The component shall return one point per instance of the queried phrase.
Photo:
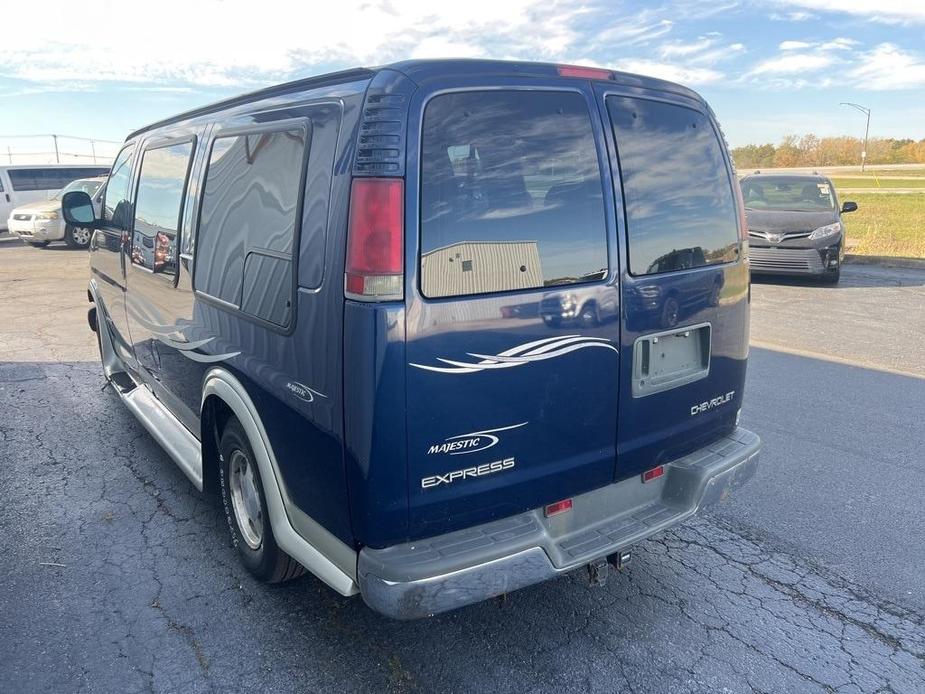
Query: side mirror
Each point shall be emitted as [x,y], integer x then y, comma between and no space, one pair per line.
[848,206]
[77,209]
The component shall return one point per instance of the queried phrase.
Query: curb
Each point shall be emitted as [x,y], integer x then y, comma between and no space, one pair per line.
[886,260]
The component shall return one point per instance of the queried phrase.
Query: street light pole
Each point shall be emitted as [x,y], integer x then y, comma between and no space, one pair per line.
[866,112]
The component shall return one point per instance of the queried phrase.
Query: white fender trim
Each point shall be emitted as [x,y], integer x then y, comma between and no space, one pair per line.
[229,389]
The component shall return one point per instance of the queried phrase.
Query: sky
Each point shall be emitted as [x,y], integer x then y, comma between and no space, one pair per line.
[768,69]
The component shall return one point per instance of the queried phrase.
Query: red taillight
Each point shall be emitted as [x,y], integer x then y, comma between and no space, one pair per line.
[653,474]
[587,73]
[375,239]
[558,507]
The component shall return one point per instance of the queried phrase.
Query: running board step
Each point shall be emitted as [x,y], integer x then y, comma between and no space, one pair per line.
[123,382]
[167,430]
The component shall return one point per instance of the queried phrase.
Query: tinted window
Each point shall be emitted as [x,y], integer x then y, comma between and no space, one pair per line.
[161,186]
[88,187]
[26,179]
[511,194]
[116,196]
[680,208]
[248,221]
[53,178]
[769,193]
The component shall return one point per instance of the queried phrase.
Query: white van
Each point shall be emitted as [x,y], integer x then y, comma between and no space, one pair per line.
[22,183]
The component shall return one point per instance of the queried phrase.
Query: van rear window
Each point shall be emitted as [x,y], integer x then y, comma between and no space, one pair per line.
[680,209]
[511,193]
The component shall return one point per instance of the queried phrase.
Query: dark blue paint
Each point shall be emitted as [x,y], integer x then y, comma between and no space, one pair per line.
[354,459]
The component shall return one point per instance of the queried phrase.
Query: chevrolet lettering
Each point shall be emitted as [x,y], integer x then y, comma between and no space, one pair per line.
[710,404]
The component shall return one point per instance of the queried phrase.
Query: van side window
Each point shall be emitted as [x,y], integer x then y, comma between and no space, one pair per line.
[22,180]
[116,194]
[248,221]
[680,209]
[511,193]
[158,204]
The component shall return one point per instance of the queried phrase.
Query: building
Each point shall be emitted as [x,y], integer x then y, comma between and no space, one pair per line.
[478,267]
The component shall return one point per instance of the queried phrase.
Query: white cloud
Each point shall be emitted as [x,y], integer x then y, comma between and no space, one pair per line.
[678,49]
[792,16]
[704,52]
[889,67]
[883,10]
[836,44]
[792,63]
[211,45]
[669,71]
[839,44]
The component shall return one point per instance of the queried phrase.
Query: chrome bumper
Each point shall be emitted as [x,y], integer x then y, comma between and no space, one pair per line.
[423,578]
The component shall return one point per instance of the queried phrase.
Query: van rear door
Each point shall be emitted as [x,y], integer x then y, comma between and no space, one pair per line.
[512,317]
[685,287]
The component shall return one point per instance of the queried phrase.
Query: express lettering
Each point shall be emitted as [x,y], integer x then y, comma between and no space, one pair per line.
[466,473]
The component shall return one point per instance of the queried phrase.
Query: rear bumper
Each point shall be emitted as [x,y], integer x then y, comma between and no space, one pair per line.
[423,578]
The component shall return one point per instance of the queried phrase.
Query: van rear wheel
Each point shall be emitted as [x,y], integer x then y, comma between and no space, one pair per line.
[246,509]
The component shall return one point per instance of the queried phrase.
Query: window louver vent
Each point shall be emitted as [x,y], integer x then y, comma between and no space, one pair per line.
[383,126]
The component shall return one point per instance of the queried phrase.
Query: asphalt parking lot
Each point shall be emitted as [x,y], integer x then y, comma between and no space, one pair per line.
[118,576]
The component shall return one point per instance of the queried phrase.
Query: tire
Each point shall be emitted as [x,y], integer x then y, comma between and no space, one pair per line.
[77,237]
[832,277]
[246,509]
[671,312]
[588,316]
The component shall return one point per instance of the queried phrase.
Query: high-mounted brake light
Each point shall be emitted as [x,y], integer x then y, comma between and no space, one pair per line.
[375,235]
[587,73]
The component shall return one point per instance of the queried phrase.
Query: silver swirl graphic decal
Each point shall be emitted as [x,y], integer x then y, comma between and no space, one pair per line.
[539,350]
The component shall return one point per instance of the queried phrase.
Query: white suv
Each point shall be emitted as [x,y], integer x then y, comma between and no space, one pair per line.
[40,223]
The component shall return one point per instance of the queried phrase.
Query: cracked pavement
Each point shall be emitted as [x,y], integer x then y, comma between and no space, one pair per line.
[119,576]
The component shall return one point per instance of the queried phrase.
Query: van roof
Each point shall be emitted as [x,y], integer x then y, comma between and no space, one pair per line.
[419,71]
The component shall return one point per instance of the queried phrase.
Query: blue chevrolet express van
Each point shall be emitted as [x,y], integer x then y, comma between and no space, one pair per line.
[348,304]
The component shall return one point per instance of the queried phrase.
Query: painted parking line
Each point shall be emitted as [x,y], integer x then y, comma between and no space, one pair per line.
[761,344]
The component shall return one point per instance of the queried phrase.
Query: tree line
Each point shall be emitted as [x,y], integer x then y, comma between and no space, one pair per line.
[809,150]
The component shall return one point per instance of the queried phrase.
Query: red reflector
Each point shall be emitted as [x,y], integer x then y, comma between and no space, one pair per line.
[558,507]
[653,474]
[375,237]
[588,73]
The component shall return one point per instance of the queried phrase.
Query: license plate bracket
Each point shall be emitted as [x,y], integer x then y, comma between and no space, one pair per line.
[671,358]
